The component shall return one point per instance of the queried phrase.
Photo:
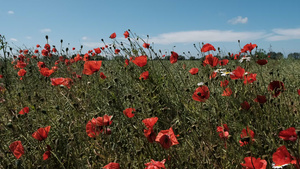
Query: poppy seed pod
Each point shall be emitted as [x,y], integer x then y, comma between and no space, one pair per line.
[46,37]
[61,41]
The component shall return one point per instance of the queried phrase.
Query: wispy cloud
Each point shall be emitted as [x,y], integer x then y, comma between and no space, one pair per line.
[46,30]
[13,39]
[206,36]
[11,12]
[84,38]
[28,37]
[237,20]
[284,34]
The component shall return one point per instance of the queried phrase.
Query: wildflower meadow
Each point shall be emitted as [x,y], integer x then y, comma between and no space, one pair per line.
[128,105]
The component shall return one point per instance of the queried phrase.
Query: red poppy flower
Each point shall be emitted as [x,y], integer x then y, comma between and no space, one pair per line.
[91,67]
[47,154]
[245,105]
[126,62]
[288,134]
[117,51]
[174,57]
[62,81]
[92,129]
[102,76]
[227,92]
[73,48]
[97,50]
[77,58]
[146,45]
[1,76]
[25,51]
[113,35]
[22,72]
[248,47]
[140,60]
[247,135]
[194,71]
[276,87]
[260,99]
[201,94]
[166,138]
[24,110]
[41,64]
[223,62]
[253,163]
[102,121]
[144,75]
[17,148]
[238,73]
[250,78]
[21,64]
[128,112]
[54,50]
[45,52]
[207,47]
[149,133]
[282,157]
[262,62]
[213,75]
[38,46]
[156,164]
[298,91]
[224,83]
[112,166]
[210,60]
[126,34]
[41,134]
[86,57]
[46,72]
[36,51]
[223,131]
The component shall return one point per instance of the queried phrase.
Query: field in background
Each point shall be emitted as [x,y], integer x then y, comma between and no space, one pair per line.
[166,94]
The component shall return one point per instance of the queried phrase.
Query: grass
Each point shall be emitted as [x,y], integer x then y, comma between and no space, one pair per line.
[166,94]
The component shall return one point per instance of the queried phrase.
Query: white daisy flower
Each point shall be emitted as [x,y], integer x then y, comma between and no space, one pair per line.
[200,84]
[245,58]
[220,70]
[279,166]
[226,73]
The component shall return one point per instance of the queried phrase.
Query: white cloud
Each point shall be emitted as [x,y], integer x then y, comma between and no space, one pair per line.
[28,37]
[11,12]
[237,20]
[206,36]
[13,39]
[46,30]
[284,34]
[84,38]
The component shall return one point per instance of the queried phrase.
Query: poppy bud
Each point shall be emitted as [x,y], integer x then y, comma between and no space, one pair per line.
[67,49]
[239,41]
[81,46]
[46,37]
[61,41]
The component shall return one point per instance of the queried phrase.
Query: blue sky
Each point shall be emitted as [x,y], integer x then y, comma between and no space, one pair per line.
[169,23]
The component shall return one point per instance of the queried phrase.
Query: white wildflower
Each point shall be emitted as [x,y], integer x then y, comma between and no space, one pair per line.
[245,58]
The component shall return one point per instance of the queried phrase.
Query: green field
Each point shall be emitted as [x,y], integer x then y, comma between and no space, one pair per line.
[167,94]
